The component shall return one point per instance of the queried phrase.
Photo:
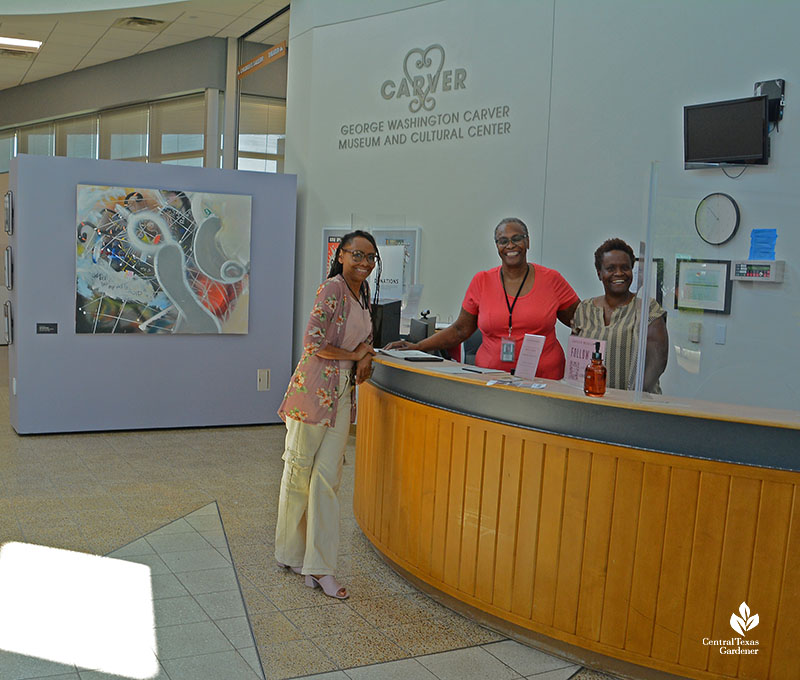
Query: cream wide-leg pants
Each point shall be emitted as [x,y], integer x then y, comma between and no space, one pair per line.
[307,531]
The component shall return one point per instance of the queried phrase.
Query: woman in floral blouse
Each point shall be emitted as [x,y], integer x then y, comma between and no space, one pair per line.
[318,409]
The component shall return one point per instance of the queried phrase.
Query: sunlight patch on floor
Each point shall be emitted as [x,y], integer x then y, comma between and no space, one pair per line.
[78,609]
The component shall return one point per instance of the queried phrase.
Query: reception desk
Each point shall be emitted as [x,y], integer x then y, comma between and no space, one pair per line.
[617,533]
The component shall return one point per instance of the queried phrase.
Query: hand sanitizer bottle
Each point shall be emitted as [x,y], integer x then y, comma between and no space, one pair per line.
[594,381]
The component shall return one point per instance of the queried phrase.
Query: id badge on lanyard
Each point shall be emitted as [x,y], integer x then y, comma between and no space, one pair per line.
[506,349]
[507,344]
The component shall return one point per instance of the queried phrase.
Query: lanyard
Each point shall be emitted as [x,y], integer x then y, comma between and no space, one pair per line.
[358,299]
[516,297]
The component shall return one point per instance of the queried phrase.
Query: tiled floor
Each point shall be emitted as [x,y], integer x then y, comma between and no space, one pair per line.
[96,492]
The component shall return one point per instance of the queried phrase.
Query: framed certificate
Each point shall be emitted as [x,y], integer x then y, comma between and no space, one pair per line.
[704,285]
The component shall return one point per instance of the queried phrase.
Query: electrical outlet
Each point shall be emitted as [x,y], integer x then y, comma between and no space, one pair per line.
[263,379]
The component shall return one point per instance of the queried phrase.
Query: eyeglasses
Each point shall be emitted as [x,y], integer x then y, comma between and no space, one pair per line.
[516,239]
[357,256]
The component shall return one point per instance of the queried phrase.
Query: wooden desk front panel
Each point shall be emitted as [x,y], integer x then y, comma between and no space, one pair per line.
[631,554]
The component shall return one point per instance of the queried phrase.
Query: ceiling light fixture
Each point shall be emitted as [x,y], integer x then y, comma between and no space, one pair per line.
[140,24]
[20,44]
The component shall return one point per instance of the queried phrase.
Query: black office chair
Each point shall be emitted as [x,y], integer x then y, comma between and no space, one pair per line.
[471,345]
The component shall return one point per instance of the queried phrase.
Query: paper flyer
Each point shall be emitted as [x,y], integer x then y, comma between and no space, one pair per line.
[579,355]
[529,356]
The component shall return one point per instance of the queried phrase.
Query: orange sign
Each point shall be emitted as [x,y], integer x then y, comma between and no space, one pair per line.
[333,244]
[267,57]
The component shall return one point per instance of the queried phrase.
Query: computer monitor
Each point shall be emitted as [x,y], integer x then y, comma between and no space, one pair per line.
[385,323]
[421,329]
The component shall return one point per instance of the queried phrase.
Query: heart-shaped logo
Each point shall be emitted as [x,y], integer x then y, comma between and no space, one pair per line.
[422,68]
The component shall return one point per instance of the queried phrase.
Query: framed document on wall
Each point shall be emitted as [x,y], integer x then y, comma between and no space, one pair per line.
[704,285]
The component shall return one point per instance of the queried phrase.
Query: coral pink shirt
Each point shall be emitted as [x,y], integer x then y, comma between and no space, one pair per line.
[534,312]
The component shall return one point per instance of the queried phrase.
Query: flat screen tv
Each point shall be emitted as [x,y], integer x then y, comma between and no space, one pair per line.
[732,132]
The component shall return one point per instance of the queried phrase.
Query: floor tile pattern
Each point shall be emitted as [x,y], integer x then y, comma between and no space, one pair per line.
[95,492]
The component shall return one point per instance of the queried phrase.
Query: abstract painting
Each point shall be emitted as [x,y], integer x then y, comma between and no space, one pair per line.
[161,261]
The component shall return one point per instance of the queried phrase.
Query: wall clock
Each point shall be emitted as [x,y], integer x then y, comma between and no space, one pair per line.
[717,218]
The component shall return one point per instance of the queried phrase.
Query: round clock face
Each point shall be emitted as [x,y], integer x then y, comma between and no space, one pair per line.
[717,218]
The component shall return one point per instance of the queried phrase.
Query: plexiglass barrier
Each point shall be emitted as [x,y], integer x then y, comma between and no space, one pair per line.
[731,303]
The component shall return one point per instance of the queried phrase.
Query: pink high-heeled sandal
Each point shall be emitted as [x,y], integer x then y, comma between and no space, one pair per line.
[330,586]
[296,570]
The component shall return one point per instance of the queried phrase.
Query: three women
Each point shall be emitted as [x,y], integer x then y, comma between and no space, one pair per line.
[506,302]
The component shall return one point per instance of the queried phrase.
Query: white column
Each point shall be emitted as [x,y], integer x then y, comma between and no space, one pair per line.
[211,154]
[231,135]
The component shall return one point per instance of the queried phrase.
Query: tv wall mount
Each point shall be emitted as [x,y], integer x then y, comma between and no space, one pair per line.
[774,89]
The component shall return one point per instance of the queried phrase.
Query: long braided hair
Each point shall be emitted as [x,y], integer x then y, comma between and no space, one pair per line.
[338,268]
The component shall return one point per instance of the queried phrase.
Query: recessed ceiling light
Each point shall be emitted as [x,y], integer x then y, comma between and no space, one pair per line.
[20,44]
[16,53]
[140,24]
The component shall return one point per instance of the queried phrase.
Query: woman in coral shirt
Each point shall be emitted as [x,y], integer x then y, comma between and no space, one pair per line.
[505,303]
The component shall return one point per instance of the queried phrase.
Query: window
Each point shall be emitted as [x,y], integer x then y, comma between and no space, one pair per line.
[177,130]
[6,149]
[37,139]
[123,134]
[262,129]
[257,164]
[195,161]
[170,131]
[77,137]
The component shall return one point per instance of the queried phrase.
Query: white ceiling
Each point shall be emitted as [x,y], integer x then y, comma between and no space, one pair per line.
[77,40]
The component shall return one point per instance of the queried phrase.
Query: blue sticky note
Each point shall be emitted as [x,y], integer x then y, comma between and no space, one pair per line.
[762,244]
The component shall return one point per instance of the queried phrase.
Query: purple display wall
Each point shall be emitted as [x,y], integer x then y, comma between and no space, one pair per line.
[65,382]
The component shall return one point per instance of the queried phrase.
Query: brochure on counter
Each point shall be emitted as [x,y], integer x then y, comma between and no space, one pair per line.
[529,355]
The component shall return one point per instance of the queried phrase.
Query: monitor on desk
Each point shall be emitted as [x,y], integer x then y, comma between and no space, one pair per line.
[385,322]
[421,329]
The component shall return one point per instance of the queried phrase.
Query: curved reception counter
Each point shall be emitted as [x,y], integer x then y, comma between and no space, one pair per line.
[654,539]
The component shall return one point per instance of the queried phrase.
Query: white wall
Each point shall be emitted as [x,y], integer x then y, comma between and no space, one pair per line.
[456,190]
[595,94]
[621,77]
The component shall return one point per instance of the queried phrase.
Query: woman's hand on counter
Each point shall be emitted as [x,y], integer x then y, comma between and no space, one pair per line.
[363,369]
[402,344]
[363,350]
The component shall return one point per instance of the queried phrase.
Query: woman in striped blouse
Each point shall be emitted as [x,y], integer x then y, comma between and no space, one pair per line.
[614,317]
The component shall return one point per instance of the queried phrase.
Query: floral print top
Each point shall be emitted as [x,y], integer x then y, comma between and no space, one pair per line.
[312,393]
